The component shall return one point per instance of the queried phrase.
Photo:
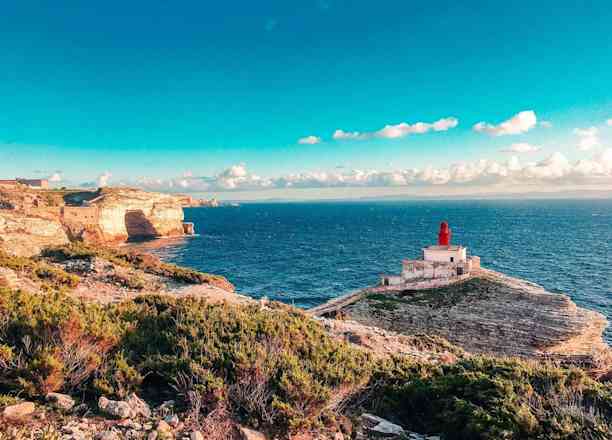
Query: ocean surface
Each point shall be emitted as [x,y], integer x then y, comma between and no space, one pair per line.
[307,253]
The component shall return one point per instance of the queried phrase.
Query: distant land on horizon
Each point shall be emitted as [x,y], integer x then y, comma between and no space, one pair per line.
[543,195]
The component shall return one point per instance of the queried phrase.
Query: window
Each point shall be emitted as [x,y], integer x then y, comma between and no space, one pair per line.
[452,259]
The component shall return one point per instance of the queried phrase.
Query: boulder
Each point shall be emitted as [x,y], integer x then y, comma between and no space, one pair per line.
[133,406]
[381,426]
[139,406]
[60,401]
[18,410]
[115,408]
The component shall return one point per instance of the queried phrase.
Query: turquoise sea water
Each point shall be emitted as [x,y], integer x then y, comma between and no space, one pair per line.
[307,253]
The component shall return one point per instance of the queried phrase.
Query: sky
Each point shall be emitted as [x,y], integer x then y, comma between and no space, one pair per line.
[309,98]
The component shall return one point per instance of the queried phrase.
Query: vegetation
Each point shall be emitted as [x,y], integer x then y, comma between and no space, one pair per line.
[51,277]
[487,398]
[276,369]
[145,262]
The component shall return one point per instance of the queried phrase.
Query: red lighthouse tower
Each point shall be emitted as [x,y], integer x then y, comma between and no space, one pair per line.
[444,236]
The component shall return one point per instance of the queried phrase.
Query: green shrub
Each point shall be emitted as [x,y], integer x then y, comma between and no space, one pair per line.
[117,377]
[51,342]
[281,355]
[141,261]
[486,398]
[50,276]
[277,369]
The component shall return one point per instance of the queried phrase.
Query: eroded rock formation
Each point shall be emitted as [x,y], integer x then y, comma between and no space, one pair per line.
[130,213]
[24,235]
[490,313]
[31,220]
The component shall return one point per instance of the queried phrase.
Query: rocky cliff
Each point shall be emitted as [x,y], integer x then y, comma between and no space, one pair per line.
[32,219]
[24,235]
[489,313]
[129,213]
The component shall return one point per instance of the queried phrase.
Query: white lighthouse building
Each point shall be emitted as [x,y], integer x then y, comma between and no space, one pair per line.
[441,261]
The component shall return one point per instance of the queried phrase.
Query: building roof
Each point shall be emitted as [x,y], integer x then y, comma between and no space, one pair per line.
[452,247]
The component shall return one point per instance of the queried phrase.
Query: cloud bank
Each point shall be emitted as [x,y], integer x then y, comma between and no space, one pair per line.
[555,170]
[588,138]
[521,148]
[520,123]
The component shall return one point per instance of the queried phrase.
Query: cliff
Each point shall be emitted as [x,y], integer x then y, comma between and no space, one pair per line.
[130,213]
[33,219]
[26,235]
[488,314]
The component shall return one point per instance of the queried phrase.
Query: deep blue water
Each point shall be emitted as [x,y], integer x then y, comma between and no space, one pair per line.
[307,253]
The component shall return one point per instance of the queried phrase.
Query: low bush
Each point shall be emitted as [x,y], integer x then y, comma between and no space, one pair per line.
[276,365]
[487,398]
[276,369]
[141,261]
[50,276]
[50,342]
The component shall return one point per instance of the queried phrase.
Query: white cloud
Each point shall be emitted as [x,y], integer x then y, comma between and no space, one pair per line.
[588,138]
[104,178]
[522,122]
[546,124]
[521,148]
[403,129]
[609,122]
[309,140]
[349,135]
[398,130]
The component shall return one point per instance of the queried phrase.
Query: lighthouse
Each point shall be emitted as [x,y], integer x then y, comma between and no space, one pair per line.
[444,236]
[441,263]
[444,251]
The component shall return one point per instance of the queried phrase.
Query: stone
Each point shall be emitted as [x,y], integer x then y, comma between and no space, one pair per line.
[172,420]
[18,410]
[139,406]
[196,435]
[250,434]
[115,408]
[60,401]
[381,426]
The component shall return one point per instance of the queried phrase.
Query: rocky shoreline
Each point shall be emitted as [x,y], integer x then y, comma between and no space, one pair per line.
[106,343]
[489,313]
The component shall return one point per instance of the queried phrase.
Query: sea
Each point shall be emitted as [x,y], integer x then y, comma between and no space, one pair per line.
[307,253]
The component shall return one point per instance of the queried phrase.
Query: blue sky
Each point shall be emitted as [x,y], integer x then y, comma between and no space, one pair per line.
[157,92]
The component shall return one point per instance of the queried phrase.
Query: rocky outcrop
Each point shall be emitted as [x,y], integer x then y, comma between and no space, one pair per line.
[490,313]
[25,236]
[129,213]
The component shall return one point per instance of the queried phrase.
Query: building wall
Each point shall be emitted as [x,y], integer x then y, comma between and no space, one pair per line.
[35,183]
[435,253]
[85,215]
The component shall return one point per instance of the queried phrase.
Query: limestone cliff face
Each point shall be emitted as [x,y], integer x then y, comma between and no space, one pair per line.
[130,213]
[26,236]
[491,313]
